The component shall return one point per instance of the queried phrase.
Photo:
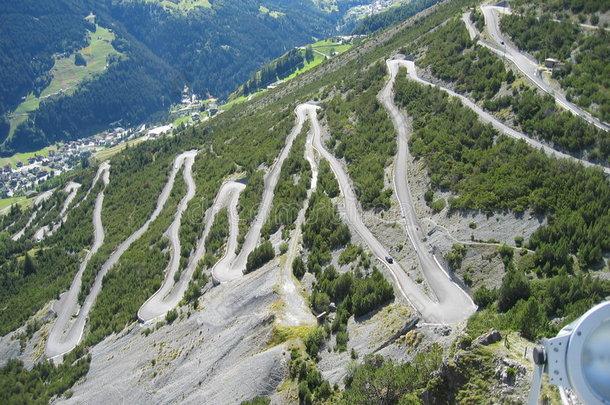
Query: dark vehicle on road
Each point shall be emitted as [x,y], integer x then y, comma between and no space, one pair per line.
[389,259]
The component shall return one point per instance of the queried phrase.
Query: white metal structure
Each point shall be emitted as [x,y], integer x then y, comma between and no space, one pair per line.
[578,358]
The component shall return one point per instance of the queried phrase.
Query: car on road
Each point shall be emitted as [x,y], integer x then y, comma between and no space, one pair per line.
[389,259]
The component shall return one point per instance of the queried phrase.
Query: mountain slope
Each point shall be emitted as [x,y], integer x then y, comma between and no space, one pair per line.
[524,232]
[212,49]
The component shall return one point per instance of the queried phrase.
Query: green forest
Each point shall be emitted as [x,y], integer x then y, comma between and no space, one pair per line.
[362,133]
[476,71]
[494,173]
[584,71]
[212,50]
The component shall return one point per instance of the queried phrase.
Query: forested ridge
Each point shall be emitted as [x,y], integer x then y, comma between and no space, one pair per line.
[30,33]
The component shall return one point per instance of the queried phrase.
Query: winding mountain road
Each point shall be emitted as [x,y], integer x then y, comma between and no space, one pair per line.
[37,202]
[226,271]
[296,312]
[452,304]
[223,270]
[158,304]
[527,65]
[61,338]
[487,118]
[164,300]
[440,283]
[47,230]
[56,348]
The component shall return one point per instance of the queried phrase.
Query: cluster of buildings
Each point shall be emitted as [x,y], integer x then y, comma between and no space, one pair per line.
[370,9]
[192,106]
[22,178]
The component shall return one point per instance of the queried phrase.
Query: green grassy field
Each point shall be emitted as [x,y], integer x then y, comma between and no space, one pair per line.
[182,5]
[67,76]
[325,47]
[181,120]
[7,202]
[23,157]
[317,59]
[107,153]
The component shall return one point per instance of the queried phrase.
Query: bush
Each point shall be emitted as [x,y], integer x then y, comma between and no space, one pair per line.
[171,316]
[438,205]
[350,254]
[298,267]
[259,256]
[484,297]
[79,60]
[519,241]
[314,340]
[257,401]
[455,256]
[514,287]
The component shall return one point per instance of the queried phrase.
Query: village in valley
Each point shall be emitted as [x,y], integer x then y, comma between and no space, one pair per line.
[22,178]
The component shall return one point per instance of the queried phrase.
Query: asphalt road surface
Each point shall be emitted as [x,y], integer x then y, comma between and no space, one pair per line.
[159,303]
[62,337]
[226,271]
[485,117]
[58,347]
[451,304]
[529,66]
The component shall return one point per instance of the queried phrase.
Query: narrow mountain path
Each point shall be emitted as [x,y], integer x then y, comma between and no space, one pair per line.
[75,334]
[452,306]
[157,306]
[228,271]
[526,64]
[61,337]
[487,118]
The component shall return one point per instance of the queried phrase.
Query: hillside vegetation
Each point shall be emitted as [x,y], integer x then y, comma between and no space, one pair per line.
[583,52]
[212,47]
[552,278]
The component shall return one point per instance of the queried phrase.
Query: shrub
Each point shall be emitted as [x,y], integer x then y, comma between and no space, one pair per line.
[314,341]
[171,316]
[298,267]
[484,297]
[259,256]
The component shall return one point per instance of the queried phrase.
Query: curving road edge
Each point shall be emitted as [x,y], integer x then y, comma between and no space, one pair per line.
[438,278]
[37,202]
[226,271]
[296,312]
[48,230]
[60,339]
[452,308]
[227,197]
[158,304]
[56,348]
[527,65]
[487,118]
